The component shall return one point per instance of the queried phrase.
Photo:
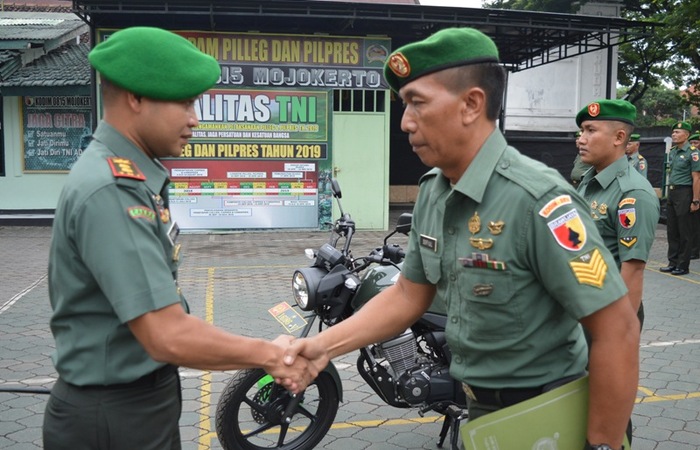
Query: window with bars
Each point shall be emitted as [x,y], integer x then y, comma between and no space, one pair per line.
[358,100]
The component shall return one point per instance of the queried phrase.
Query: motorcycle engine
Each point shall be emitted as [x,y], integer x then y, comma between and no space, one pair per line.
[418,378]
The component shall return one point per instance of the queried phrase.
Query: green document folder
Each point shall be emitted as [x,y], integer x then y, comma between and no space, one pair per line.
[555,420]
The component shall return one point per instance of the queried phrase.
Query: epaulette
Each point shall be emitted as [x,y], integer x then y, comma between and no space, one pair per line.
[640,157]
[433,172]
[125,168]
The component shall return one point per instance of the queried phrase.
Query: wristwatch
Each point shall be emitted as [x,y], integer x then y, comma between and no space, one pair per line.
[695,202]
[599,447]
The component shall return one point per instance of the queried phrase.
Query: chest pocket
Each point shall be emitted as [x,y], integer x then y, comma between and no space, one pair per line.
[431,265]
[488,305]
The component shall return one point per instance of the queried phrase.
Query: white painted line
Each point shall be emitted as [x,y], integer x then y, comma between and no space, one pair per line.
[16,298]
[671,343]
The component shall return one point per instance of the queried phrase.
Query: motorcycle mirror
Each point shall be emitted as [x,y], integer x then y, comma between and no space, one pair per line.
[403,223]
[335,188]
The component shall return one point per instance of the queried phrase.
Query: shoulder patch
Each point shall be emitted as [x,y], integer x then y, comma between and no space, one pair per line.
[590,268]
[696,156]
[142,212]
[641,158]
[627,217]
[627,201]
[568,230]
[553,204]
[125,168]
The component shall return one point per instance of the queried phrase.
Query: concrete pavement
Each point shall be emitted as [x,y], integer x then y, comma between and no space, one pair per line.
[232,280]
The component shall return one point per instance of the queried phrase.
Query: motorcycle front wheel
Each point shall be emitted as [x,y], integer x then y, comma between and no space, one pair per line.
[249,413]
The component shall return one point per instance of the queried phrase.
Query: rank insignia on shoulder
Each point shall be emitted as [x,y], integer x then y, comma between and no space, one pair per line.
[628,241]
[125,168]
[590,268]
[627,217]
[553,204]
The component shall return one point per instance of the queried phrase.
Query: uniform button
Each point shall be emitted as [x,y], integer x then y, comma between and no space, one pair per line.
[505,164]
[452,277]
[451,230]
[458,359]
[454,320]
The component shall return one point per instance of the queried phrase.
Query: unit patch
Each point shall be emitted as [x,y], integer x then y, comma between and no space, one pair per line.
[142,212]
[628,241]
[125,168]
[627,201]
[590,268]
[568,230]
[627,217]
[547,209]
[696,157]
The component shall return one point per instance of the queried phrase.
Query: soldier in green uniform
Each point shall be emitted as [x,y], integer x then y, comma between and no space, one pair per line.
[506,243]
[683,199]
[622,203]
[119,318]
[580,167]
[694,140]
[635,159]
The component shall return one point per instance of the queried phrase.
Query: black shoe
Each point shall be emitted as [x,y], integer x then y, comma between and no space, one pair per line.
[680,271]
[667,269]
[694,256]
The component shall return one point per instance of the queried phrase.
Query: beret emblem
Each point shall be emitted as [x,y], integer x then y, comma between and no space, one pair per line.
[679,125]
[399,65]
[594,109]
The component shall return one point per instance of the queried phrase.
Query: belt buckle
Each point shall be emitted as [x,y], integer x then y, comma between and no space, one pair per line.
[468,390]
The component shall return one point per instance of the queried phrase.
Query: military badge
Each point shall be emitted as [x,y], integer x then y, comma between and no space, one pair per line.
[482,290]
[399,65]
[627,217]
[695,157]
[474,224]
[568,230]
[628,241]
[482,260]
[603,208]
[594,109]
[594,204]
[141,212]
[481,244]
[125,168]
[549,208]
[496,227]
[627,201]
[642,166]
[590,268]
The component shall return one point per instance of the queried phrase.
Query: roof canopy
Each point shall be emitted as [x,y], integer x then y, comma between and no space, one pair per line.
[525,39]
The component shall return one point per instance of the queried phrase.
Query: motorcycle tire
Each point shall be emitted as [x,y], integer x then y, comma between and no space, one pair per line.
[249,413]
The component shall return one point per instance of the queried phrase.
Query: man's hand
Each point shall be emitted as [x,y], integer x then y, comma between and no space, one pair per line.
[307,349]
[294,373]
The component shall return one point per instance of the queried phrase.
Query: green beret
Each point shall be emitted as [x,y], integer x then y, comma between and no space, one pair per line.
[155,63]
[695,137]
[450,47]
[634,137]
[682,126]
[618,110]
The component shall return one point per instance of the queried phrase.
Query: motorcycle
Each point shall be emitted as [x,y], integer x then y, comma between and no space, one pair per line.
[408,371]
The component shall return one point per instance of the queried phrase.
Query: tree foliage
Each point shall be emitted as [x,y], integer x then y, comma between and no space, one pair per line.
[671,55]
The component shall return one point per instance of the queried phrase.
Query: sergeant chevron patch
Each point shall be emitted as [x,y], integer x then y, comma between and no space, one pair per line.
[590,268]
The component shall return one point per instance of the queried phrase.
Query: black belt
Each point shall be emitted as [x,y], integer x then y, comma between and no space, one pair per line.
[501,397]
[147,380]
[673,187]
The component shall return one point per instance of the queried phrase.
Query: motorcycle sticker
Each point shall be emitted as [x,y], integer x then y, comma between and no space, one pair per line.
[287,317]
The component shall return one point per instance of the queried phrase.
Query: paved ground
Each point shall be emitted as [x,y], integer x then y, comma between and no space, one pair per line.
[232,280]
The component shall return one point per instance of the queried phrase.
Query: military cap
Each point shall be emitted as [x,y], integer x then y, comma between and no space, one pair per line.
[681,125]
[695,137]
[634,137]
[619,110]
[155,63]
[450,47]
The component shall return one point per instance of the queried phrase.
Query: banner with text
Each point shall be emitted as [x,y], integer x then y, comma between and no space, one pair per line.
[56,130]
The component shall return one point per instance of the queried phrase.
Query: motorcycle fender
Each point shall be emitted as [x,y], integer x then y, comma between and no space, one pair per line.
[333,372]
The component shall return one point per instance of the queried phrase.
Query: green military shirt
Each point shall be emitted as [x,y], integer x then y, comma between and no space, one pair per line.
[625,209]
[112,259]
[639,163]
[579,169]
[682,161]
[515,256]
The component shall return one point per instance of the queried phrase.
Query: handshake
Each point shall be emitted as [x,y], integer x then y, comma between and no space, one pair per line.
[297,362]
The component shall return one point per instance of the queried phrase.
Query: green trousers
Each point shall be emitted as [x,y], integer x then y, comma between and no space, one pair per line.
[143,417]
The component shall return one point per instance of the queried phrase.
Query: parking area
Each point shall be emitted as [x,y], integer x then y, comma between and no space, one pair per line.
[232,280]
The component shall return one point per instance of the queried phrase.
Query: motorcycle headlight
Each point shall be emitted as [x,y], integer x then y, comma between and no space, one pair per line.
[304,286]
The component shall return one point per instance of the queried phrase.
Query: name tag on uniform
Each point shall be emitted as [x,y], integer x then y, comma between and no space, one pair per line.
[428,242]
[173,233]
